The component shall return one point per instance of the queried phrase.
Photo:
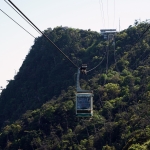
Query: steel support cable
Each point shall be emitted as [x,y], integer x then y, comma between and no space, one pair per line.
[17,23]
[102,12]
[114,53]
[114,41]
[107,14]
[142,35]
[140,58]
[22,16]
[139,38]
[106,53]
[107,59]
[44,34]
[98,64]
[114,13]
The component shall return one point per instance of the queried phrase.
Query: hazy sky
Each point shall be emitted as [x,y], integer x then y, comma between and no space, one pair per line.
[15,43]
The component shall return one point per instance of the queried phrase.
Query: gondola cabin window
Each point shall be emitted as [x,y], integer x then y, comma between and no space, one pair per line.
[84,104]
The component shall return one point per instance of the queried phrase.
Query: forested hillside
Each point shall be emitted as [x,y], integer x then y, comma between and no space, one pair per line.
[37,108]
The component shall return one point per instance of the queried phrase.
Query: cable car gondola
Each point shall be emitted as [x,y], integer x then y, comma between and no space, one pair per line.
[84,98]
[84,104]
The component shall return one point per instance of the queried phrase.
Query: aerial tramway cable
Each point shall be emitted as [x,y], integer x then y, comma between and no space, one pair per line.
[140,37]
[114,14]
[39,31]
[98,64]
[142,34]
[107,13]
[43,34]
[102,12]
[16,23]
[114,45]
[138,40]
[22,17]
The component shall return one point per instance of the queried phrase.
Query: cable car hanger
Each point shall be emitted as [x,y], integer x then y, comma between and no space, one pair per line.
[83,71]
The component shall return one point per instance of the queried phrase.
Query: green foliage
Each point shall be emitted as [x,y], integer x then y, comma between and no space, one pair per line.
[37,109]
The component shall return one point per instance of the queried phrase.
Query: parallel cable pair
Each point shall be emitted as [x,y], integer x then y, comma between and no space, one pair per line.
[40,32]
[16,23]
[22,17]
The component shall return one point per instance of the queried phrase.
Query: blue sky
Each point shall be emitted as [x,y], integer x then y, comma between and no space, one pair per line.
[15,43]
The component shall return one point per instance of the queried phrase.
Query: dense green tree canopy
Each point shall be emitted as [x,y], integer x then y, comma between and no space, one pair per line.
[37,108]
